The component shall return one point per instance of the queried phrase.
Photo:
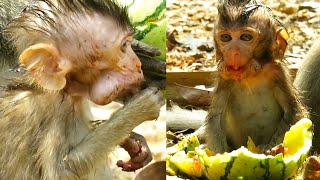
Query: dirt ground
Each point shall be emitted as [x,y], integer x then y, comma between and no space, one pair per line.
[192,23]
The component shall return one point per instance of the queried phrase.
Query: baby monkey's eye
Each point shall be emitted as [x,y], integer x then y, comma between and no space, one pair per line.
[246,37]
[125,45]
[225,38]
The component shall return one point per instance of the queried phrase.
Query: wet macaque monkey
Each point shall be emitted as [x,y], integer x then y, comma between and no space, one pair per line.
[254,96]
[71,52]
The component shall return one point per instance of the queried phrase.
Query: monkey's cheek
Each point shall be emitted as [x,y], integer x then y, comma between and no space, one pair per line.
[113,85]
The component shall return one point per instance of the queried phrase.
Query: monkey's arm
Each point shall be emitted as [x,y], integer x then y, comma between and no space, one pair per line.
[98,143]
[293,110]
[286,121]
[214,130]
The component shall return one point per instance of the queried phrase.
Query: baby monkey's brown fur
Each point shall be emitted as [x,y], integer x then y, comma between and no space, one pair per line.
[254,95]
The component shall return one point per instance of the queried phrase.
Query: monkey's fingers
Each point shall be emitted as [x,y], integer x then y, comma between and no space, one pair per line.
[131,146]
[150,64]
[128,166]
[137,147]
[139,152]
[139,46]
[135,163]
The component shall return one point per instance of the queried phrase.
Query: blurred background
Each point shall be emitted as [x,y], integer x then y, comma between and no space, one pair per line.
[190,25]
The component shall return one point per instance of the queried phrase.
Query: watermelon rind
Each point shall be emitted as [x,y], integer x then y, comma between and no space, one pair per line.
[243,164]
[187,144]
[154,34]
[143,11]
[149,21]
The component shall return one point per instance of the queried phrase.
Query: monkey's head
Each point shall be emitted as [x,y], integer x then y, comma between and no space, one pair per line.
[79,47]
[247,37]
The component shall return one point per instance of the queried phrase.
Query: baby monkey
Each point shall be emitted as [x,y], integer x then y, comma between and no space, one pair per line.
[254,96]
[70,52]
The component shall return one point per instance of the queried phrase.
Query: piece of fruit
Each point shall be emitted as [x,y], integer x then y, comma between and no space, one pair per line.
[182,157]
[243,164]
[149,20]
[187,163]
[170,167]
[187,144]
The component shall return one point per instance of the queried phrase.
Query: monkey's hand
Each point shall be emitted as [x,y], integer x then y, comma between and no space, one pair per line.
[146,49]
[154,70]
[145,105]
[139,152]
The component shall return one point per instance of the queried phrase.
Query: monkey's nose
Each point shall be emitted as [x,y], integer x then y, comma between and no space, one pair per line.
[235,61]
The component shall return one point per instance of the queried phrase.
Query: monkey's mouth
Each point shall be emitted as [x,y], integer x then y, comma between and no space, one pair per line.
[238,70]
[239,73]
[230,73]
[115,85]
[233,70]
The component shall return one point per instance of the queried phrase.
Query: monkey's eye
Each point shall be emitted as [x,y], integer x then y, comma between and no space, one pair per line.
[246,37]
[125,45]
[225,38]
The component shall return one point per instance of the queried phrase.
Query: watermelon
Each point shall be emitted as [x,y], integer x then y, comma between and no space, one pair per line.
[182,157]
[243,164]
[149,20]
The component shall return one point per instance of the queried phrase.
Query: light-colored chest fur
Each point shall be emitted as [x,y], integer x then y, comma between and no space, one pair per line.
[252,110]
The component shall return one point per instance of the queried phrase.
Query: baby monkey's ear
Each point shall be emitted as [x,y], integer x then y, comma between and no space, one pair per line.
[46,66]
[282,37]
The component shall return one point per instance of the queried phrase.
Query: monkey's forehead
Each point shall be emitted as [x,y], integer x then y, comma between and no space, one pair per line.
[94,28]
[260,24]
[63,8]
[91,33]
[239,30]
[47,23]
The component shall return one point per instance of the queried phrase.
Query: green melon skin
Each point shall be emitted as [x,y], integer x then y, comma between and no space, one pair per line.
[157,38]
[243,164]
[149,21]
[141,11]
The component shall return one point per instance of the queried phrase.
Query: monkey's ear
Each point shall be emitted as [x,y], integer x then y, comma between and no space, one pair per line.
[282,37]
[45,66]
